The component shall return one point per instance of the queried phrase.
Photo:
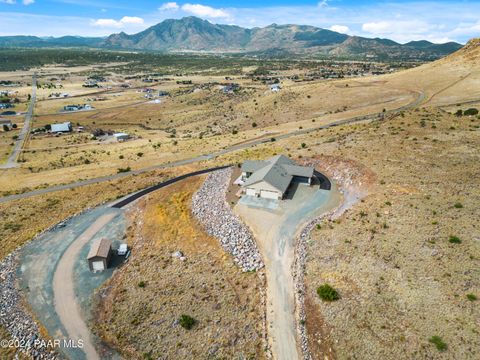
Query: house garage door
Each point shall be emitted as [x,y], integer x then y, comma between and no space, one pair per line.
[269,194]
[251,192]
[98,266]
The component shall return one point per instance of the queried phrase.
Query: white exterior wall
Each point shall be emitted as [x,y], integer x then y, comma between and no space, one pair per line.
[270,194]
[264,189]
[251,192]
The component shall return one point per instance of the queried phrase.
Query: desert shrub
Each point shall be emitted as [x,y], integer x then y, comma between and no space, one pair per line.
[124,170]
[327,293]
[471,297]
[438,342]
[187,322]
[454,239]
[459,112]
[141,284]
[304,145]
[471,111]
[140,154]
[254,124]
[458,205]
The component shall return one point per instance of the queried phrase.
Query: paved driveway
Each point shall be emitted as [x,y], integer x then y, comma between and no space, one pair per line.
[275,231]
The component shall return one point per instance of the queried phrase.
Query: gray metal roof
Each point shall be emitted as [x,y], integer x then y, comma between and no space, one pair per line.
[64,127]
[253,165]
[277,171]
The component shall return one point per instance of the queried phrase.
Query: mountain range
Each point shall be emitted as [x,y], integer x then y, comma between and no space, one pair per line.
[191,34]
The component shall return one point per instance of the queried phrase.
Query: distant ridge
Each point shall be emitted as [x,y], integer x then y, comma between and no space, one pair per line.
[191,34]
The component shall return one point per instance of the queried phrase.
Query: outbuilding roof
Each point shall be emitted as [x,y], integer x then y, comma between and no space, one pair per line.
[100,248]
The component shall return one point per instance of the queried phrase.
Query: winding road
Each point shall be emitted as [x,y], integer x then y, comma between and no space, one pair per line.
[420,98]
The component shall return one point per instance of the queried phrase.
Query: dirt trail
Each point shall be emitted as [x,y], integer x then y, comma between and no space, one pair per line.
[66,304]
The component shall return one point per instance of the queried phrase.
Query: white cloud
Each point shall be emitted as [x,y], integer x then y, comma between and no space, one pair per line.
[205,11]
[12,2]
[111,23]
[131,20]
[323,3]
[169,6]
[340,28]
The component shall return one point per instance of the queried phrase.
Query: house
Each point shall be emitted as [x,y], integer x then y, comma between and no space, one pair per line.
[60,128]
[271,178]
[99,255]
[5,123]
[78,107]
[71,108]
[121,136]
[275,87]
[230,88]
[90,84]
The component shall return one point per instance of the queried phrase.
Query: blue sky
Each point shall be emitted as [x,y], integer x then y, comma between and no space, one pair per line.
[400,20]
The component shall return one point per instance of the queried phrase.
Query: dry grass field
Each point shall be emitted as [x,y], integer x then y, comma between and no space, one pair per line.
[400,276]
[141,304]
[405,260]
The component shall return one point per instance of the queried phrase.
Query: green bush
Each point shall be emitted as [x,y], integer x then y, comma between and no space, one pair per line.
[124,170]
[471,297]
[454,239]
[187,322]
[458,205]
[141,284]
[471,111]
[327,293]
[438,342]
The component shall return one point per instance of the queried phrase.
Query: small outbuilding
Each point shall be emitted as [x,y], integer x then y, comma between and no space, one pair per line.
[99,255]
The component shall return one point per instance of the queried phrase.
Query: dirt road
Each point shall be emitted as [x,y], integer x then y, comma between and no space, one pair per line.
[17,148]
[213,155]
[275,231]
[65,299]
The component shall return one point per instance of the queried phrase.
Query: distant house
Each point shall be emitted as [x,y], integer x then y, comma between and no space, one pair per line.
[121,136]
[61,128]
[230,88]
[99,255]
[5,122]
[275,87]
[77,107]
[90,84]
[271,178]
[71,108]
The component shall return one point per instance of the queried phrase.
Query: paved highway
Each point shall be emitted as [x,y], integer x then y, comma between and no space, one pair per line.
[416,102]
[17,148]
